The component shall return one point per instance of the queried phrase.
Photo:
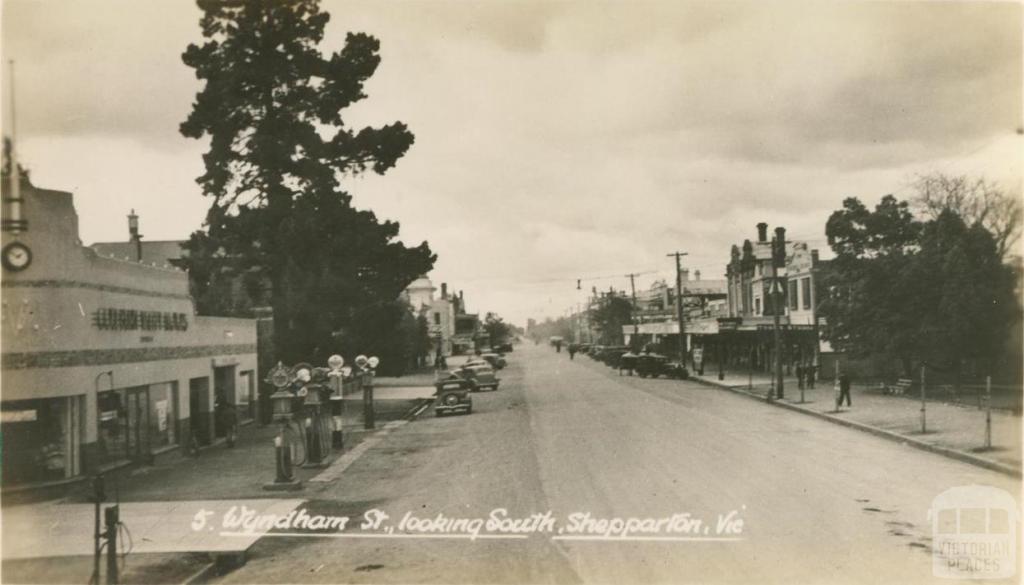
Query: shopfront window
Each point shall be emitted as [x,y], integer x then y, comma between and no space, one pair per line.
[112,421]
[124,424]
[41,439]
[163,414]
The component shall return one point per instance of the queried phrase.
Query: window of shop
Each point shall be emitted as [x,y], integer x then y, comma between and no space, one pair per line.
[805,288]
[41,439]
[163,414]
[792,295]
[123,424]
[112,422]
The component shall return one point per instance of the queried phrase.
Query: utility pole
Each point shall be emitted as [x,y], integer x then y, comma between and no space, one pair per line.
[679,306]
[778,260]
[632,287]
[632,312]
[14,222]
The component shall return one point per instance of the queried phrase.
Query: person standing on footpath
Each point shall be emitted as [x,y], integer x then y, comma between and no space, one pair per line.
[800,375]
[572,351]
[844,390]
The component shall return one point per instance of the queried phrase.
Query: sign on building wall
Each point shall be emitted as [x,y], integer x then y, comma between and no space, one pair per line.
[111,319]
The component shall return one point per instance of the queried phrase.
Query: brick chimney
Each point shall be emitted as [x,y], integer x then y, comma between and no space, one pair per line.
[762,232]
[444,291]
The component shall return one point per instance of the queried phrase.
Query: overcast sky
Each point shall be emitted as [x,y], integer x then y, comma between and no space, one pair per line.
[556,141]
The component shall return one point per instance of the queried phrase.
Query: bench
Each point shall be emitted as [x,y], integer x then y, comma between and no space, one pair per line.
[902,386]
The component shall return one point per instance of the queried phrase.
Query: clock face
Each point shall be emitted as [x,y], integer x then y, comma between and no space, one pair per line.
[16,256]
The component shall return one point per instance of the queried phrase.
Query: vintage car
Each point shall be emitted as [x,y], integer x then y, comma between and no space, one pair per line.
[480,374]
[452,395]
[497,361]
[627,363]
[610,355]
[654,365]
[505,347]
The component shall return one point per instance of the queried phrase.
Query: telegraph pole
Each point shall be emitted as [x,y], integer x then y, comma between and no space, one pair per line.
[778,258]
[632,287]
[679,306]
[632,312]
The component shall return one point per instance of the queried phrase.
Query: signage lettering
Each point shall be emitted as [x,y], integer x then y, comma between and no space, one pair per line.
[110,319]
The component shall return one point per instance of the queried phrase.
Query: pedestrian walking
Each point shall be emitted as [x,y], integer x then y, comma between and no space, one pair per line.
[572,351]
[810,376]
[844,391]
[800,376]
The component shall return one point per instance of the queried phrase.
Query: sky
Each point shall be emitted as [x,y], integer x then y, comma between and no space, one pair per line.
[555,141]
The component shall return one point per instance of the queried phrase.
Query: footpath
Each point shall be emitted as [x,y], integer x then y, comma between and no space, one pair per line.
[52,542]
[954,430]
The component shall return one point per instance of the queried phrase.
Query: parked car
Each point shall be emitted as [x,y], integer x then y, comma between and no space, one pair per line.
[610,354]
[627,362]
[654,365]
[480,374]
[452,395]
[503,347]
[497,361]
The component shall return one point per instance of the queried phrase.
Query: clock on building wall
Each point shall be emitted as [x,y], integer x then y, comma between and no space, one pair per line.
[16,256]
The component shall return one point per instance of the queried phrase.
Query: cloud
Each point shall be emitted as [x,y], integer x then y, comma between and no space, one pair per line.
[555,140]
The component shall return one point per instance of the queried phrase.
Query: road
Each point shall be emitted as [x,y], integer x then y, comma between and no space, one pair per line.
[820,503]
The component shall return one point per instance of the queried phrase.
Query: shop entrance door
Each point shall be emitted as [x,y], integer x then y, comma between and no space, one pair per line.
[138,424]
[224,392]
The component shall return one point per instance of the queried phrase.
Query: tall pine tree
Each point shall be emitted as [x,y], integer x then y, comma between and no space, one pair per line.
[271,108]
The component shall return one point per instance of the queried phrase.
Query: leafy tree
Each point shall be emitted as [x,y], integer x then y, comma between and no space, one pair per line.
[278,148]
[934,292]
[609,317]
[869,307]
[970,301]
[498,331]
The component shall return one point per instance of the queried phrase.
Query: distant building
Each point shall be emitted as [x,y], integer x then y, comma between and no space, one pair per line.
[656,323]
[439,313]
[748,338]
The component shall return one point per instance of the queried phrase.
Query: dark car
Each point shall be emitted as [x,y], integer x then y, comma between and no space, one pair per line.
[627,362]
[610,355]
[452,395]
[503,348]
[497,361]
[654,365]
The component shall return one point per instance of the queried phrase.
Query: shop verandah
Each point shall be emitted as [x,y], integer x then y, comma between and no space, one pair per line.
[711,349]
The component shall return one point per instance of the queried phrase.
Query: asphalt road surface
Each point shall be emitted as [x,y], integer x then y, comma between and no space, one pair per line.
[819,503]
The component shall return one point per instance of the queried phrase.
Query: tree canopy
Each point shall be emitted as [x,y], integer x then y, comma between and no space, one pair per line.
[280,221]
[611,313]
[498,331]
[934,292]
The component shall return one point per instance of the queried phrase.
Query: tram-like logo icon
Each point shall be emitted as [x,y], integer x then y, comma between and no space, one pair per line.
[974,533]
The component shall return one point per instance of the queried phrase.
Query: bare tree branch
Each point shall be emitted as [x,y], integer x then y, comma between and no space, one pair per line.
[977,201]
